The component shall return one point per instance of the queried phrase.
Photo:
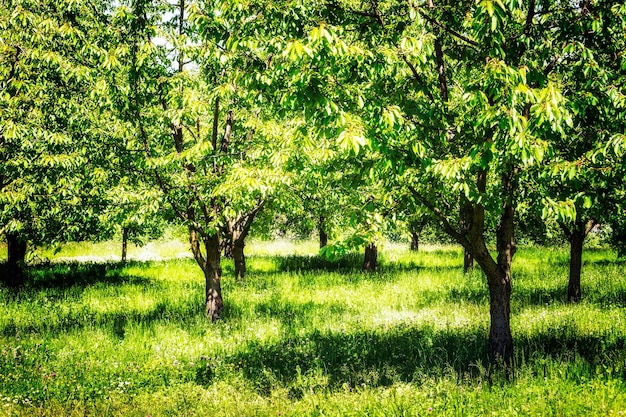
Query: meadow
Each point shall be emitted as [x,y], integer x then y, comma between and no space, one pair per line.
[303,336]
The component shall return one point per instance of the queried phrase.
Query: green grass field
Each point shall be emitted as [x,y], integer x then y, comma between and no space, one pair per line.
[306,337]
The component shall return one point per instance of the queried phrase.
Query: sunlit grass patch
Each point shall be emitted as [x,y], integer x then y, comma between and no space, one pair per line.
[306,336]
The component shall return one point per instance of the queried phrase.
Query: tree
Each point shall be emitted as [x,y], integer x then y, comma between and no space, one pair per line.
[49,54]
[583,184]
[201,141]
[469,110]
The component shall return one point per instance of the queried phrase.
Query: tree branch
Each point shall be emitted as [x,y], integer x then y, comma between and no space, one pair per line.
[462,240]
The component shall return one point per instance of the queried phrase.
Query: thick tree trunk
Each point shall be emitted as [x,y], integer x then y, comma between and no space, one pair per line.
[322,231]
[124,244]
[14,268]
[213,278]
[500,338]
[370,263]
[239,259]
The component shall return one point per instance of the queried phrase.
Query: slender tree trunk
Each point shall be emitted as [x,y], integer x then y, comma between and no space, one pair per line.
[213,277]
[226,243]
[239,259]
[576,236]
[322,231]
[498,272]
[576,241]
[14,269]
[124,244]
[370,263]
[466,214]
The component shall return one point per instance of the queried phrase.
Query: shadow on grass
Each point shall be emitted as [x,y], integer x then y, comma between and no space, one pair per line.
[77,274]
[372,358]
[403,353]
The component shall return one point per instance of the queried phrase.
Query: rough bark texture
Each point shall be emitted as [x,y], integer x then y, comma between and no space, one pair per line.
[370,263]
[212,269]
[14,268]
[498,272]
[213,277]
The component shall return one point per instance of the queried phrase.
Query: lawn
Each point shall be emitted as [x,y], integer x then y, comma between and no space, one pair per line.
[305,336]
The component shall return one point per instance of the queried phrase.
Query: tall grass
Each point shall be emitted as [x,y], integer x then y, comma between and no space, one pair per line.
[304,336]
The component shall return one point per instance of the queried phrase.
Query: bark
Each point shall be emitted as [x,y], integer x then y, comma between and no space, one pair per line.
[466,214]
[575,265]
[370,263]
[322,231]
[14,268]
[213,277]
[415,240]
[576,237]
[212,269]
[239,259]
[124,244]
[498,272]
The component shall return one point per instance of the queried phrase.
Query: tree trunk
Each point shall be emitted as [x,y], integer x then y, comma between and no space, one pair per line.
[14,269]
[124,244]
[500,338]
[213,278]
[226,243]
[468,261]
[415,241]
[466,215]
[323,234]
[370,263]
[575,265]
[498,272]
[239,259]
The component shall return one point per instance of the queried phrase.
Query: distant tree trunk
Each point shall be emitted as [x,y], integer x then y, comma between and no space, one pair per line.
[415,241]
[236,233]
[14,268]
[370,263]
[576,237]
[466,214]
[124,244]
[239,259]
[322,230]
[416,228]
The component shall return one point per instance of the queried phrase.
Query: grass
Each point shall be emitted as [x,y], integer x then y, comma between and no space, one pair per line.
[304,336]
